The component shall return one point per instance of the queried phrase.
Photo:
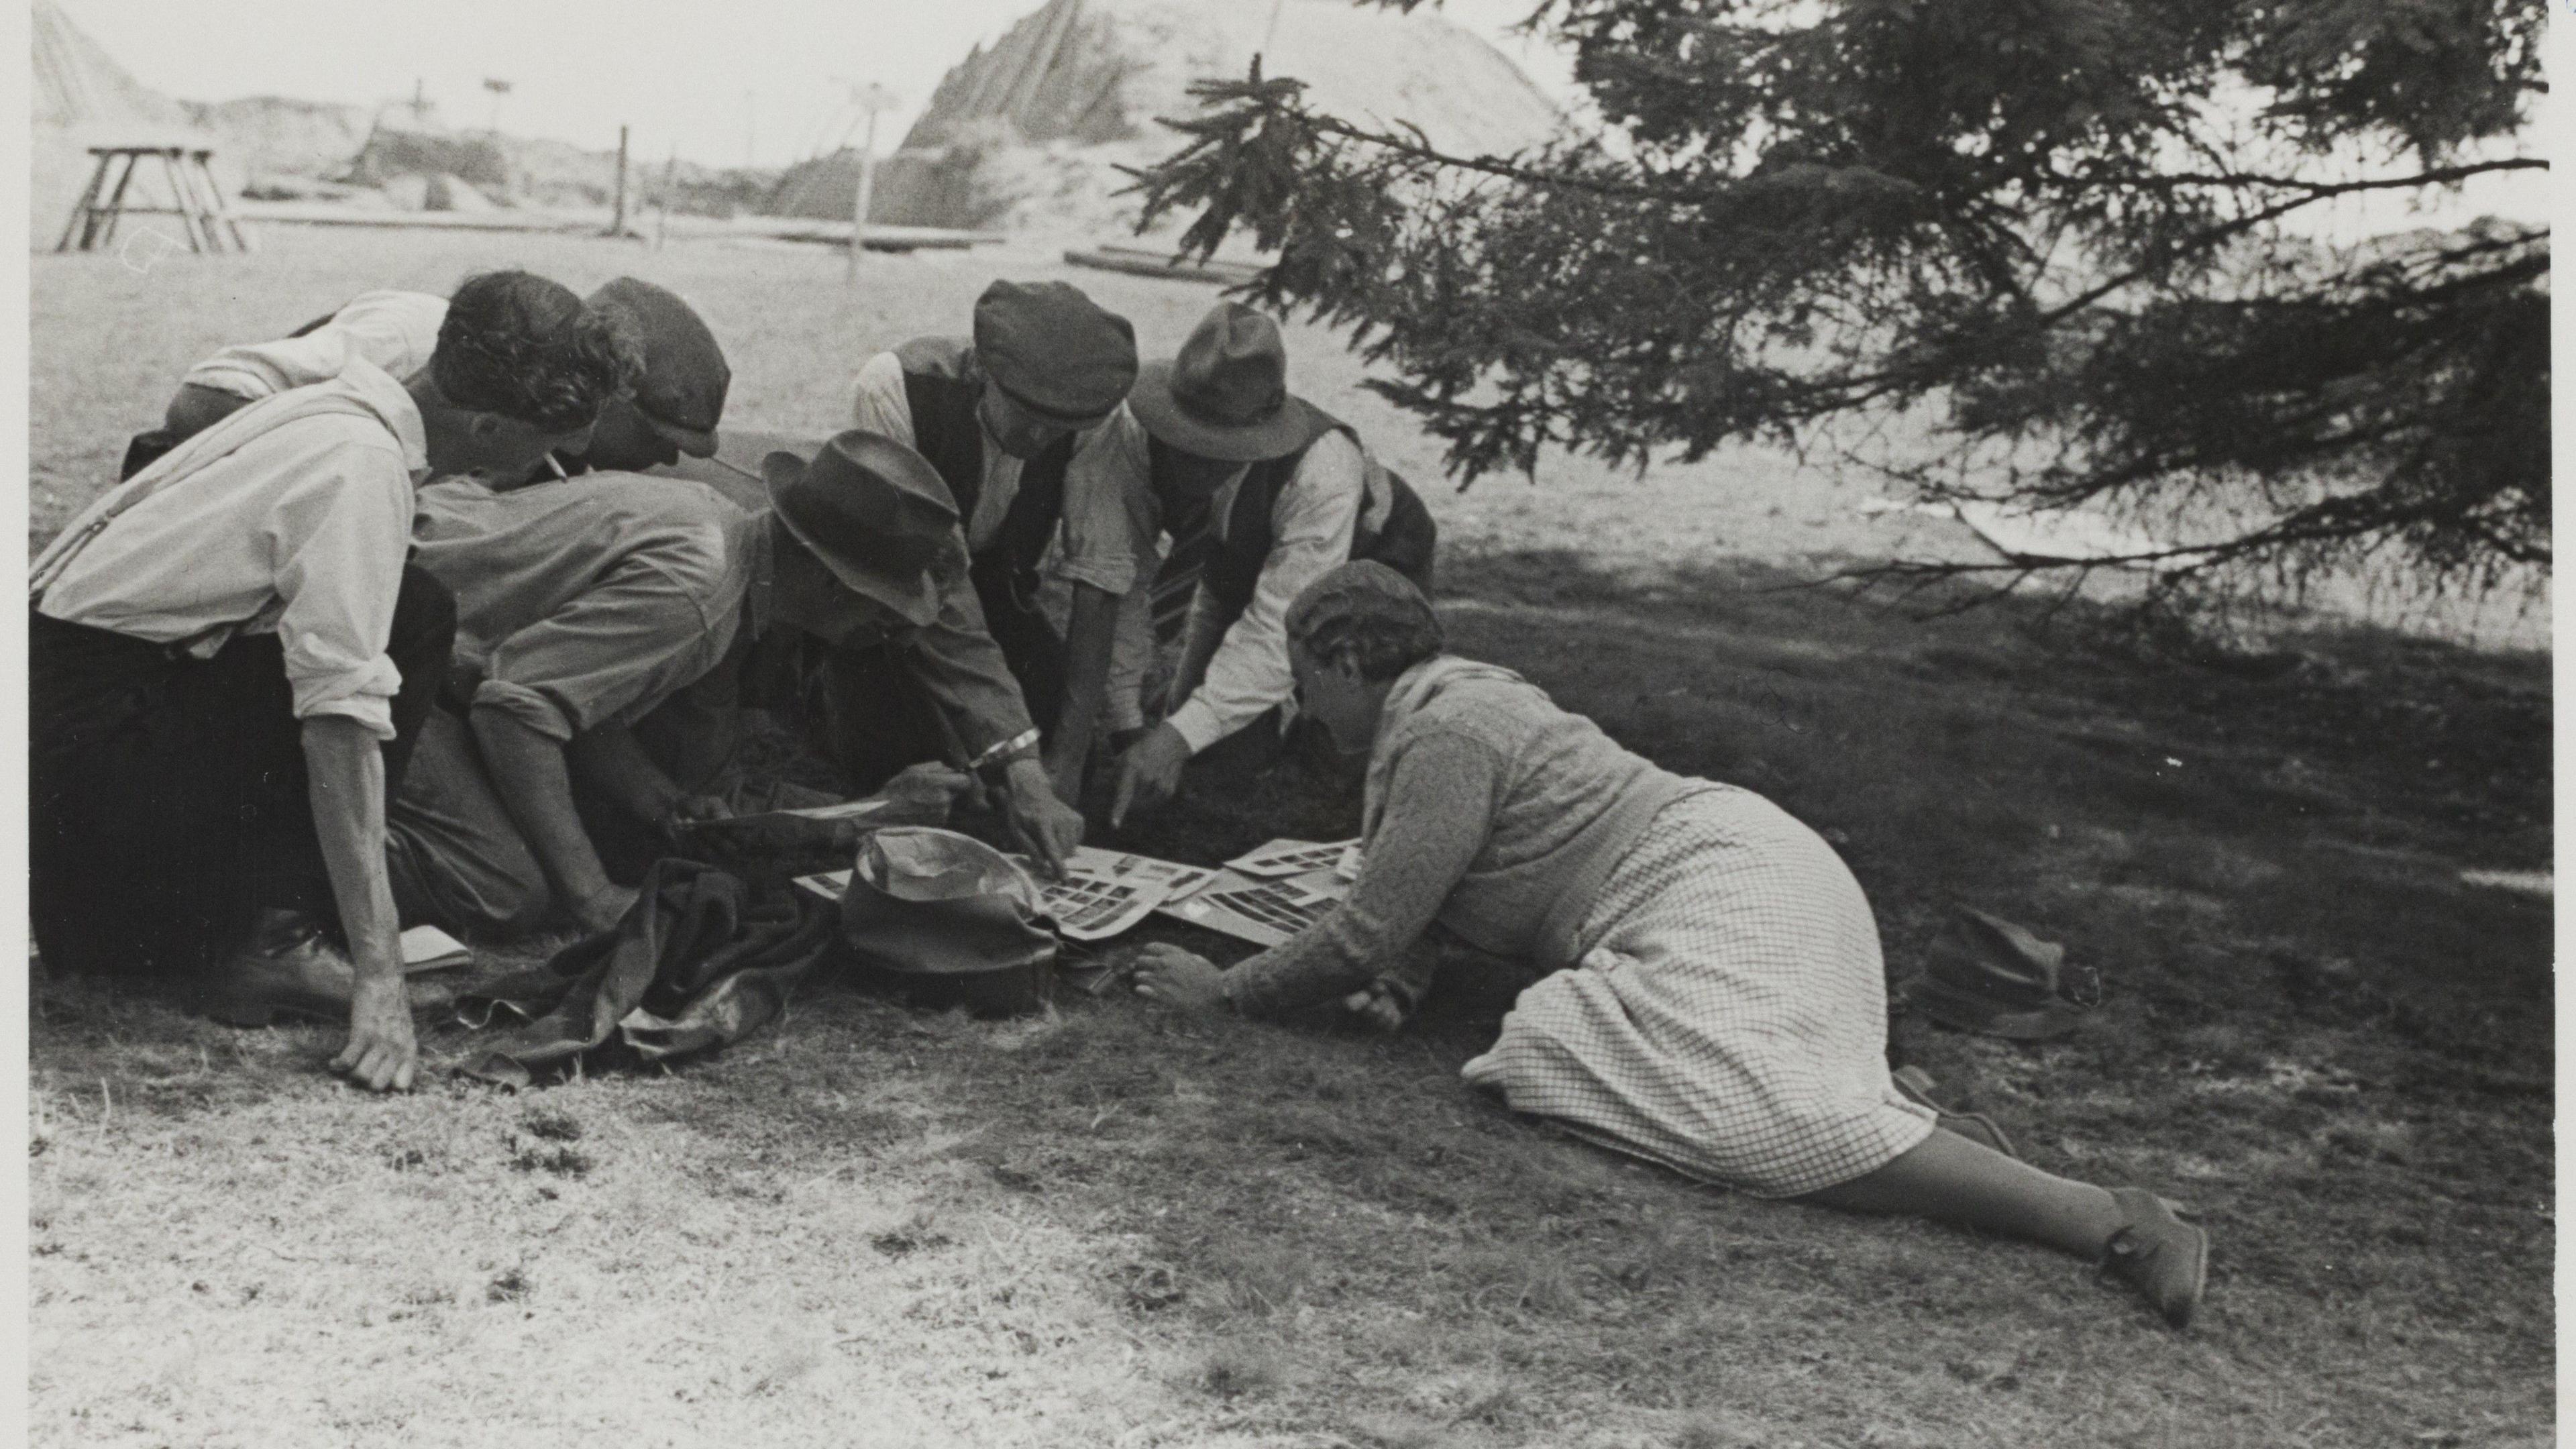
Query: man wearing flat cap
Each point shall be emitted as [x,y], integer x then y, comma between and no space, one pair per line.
[1260,493]
[673,409]
[591,595]
[1000,417]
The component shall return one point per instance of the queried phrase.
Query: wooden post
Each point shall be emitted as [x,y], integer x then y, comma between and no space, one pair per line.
[662,211]
[874,98]
[617,226]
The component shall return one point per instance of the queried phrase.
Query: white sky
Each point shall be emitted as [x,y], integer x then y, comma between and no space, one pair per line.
[701,76]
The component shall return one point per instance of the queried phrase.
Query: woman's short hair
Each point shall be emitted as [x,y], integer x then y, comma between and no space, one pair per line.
[527,348]
[1369,614]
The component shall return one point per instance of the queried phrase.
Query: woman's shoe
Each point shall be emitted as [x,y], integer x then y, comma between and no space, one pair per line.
[2159,1254]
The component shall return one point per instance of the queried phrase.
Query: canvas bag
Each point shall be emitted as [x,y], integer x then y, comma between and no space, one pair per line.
[943,919]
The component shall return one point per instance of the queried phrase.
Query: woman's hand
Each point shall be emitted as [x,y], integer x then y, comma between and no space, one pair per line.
[1180,979]
[1377,1006]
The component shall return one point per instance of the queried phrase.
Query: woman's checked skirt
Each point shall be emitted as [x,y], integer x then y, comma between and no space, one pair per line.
[1730,1022]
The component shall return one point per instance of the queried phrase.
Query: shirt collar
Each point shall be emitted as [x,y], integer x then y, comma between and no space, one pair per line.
[391,401]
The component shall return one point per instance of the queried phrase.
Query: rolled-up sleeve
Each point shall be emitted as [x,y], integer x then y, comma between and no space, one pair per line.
[1111,521]
[338,538]
[1312,527]
[878,401]
[1441,795]
[608,656]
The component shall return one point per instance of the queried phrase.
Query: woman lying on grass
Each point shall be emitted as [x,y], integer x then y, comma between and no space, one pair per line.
[1725,1012]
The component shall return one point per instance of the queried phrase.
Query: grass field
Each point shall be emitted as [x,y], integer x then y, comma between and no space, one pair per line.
[1102,1226]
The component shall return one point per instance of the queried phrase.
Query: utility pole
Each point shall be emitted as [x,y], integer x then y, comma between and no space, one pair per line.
[498,88]
[873,98]
[750,129]
[617,227]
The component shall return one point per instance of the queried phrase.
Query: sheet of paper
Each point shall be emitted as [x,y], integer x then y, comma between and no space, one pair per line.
[427,948]
[1290,857]
[845,810]
[1103,893]
[826,887]
[1264,912]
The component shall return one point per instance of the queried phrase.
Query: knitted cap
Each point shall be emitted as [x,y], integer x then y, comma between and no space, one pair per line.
[1364,597]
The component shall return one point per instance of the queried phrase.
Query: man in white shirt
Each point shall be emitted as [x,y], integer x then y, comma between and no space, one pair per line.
[1261,493]
[229,657]
[673,409]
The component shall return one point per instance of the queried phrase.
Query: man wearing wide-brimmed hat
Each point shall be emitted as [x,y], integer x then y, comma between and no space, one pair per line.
[860,577]
[1000,416]
[586,604]
[607,636]
[1261,493]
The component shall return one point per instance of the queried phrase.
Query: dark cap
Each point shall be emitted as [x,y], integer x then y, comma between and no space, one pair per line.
[682,390]
[1054,350]
[1225,395]
[1988,975]
[874,516]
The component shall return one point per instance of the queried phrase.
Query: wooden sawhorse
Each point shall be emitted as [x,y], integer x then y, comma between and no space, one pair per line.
[197,201]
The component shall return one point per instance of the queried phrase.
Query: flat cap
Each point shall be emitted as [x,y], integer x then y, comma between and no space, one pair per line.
[1054,350]
[682,390]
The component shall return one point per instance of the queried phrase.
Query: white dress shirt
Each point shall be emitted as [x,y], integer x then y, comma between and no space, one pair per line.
[879,404]
[397,331]
[292,517]
[1113,525]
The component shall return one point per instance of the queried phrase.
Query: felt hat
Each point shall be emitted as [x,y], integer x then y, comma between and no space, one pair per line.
[1225,394]
[682,390]
[866,514]
[1988,975]
[1053,350]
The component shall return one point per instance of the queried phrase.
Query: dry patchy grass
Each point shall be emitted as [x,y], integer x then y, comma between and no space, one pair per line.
[1104,1226]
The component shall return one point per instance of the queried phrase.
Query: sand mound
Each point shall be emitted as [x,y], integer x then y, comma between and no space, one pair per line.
[1029,133]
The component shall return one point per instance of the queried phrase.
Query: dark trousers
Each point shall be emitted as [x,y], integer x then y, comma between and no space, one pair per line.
[168,798]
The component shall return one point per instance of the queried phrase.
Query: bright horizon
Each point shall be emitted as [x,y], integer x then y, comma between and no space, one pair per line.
[771,81]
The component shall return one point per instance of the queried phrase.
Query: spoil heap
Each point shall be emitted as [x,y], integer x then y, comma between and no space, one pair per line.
[1029,134]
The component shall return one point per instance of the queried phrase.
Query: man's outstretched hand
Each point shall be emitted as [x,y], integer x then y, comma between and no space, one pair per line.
[1047,829]
[382,1054]
[1149,772]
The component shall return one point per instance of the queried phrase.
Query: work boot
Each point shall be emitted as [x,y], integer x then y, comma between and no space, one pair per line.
[290,968]
[2159,1254]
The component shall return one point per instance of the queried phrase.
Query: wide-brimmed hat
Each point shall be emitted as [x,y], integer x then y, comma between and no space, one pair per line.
[1053,350]
[682,390]
[873,515]
[1225,394]
[1986,974]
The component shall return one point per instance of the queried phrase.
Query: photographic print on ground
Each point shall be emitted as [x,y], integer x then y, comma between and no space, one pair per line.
[1108,1224]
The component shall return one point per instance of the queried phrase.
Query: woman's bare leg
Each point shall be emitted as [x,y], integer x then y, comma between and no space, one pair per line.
[1950,1179]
